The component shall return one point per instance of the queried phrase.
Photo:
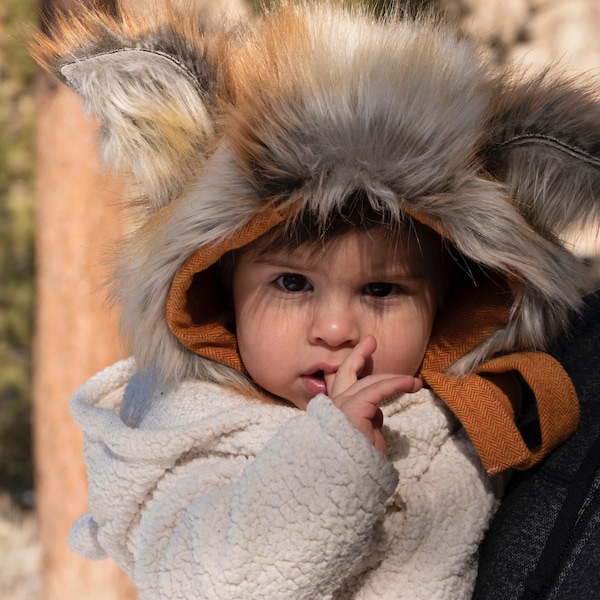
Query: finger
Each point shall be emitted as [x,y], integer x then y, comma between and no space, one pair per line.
[368,393]
[378,439]
[361,402]
[397,383]
[377,420]
[348,372]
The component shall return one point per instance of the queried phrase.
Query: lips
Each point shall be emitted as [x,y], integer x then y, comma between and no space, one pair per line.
[314,384]
[314,380]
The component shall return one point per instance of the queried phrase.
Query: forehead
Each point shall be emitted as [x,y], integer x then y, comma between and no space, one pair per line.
[375,247]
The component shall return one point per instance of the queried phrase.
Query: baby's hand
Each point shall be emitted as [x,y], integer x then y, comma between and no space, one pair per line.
[359,399]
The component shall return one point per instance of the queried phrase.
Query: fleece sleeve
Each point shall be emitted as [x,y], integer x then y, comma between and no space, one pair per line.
[289,524]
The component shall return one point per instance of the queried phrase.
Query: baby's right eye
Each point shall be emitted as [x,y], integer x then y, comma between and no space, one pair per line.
[293,282]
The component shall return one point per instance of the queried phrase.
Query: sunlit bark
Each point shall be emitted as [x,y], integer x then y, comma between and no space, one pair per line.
[76,220]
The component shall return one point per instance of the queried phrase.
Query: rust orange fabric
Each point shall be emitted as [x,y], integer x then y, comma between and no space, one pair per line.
[212,335]
[480,400]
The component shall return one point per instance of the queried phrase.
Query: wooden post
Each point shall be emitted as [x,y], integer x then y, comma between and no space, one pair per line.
[76,221]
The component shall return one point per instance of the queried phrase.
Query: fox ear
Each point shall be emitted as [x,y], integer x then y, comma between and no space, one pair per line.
[545,145]
[148,84]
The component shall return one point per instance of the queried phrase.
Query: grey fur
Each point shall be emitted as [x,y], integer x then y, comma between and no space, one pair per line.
[410,115]
[143,84]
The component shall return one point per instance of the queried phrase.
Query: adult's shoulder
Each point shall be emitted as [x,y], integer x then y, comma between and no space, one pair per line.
[545,539]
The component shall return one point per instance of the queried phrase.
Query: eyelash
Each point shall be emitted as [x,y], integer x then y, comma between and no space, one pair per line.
[280,282]
[391,289]
[302,284]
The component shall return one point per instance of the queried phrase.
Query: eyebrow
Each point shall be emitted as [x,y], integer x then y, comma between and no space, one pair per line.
[413,275]
[278,260]
[285,263]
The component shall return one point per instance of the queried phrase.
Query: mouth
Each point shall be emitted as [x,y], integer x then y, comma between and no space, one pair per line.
[314,382]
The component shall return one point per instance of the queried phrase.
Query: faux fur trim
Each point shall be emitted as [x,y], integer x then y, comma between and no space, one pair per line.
[309,104]
[142,80]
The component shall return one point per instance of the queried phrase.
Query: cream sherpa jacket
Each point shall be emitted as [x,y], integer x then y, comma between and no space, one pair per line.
[214,495]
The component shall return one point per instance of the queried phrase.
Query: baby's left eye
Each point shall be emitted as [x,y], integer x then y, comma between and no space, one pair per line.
[381,289]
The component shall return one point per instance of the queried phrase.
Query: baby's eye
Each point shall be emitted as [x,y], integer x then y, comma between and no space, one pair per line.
[293,282]
[380,289]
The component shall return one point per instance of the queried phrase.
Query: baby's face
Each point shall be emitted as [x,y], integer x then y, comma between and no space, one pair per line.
[299,314]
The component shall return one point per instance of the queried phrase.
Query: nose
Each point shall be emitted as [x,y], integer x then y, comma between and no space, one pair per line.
[334,325]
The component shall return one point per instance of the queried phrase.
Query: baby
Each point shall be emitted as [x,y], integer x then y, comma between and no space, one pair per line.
[348,314]
[214,491]
[345,260]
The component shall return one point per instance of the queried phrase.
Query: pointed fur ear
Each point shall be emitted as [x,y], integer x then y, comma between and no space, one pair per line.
[544,144]
[147,83]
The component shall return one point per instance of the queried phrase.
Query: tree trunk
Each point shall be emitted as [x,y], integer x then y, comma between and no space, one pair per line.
[76,220]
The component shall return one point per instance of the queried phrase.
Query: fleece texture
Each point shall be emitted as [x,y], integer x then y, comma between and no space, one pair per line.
[215,495]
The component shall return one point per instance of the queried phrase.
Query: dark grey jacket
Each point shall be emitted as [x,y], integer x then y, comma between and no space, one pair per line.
[544,543]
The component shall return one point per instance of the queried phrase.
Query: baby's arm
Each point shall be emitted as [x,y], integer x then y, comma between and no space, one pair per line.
[216,497]
[359,399]
[290,525]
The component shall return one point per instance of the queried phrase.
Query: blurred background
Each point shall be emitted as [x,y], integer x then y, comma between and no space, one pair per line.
[58,216]
[18,542]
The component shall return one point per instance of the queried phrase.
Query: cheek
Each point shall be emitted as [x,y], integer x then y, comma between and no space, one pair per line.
[402,345]
[262,338]
[402,354]
[269,353]
[251,330]
[256,353]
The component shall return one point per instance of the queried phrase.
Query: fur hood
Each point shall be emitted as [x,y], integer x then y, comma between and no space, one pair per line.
[221,126]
